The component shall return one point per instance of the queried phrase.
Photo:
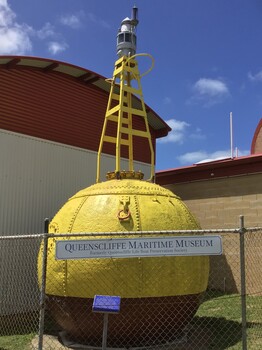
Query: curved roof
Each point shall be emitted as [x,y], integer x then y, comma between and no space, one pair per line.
[256,146]
[81,74]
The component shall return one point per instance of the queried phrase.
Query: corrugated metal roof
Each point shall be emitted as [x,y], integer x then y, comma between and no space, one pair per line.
[93,78]
[58,107]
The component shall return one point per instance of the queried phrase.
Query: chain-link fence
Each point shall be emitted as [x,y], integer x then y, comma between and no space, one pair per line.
[188,301]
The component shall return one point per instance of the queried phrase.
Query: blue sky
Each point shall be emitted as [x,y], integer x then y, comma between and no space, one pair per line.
[208,61]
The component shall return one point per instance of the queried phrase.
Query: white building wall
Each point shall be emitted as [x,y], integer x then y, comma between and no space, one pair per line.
[38,176]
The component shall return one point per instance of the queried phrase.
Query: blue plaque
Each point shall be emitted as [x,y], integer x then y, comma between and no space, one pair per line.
[106,304]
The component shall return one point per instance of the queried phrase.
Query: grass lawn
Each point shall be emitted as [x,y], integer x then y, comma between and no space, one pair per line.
[18,342]
[217,325]
[220,316]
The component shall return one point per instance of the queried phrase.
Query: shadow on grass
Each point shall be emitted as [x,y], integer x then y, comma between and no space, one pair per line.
[214,333]
[203,333]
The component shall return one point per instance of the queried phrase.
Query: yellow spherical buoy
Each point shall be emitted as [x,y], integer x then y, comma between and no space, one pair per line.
[159,294]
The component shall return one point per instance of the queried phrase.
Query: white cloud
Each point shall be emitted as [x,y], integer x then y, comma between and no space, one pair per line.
[204,156]
[255,77]
[47,31]
[177,134]
[210,87]
[56,44]
[167,100]
[192,157]
[209,91]
[72,20]
[6,14]
[14,37]
[14,41]
[55,47]
[197,135]
[93,18]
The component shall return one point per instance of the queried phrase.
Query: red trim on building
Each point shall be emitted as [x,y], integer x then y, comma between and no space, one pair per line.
[258,130]
[49,104]
[223,168]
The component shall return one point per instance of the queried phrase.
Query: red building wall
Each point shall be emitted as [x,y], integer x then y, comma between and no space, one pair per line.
[57,107]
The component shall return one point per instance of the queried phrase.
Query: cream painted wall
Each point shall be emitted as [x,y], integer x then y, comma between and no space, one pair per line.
[218,203]
[37,177]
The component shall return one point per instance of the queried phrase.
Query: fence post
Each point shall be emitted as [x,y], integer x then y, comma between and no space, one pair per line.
[43,286]
[242,231]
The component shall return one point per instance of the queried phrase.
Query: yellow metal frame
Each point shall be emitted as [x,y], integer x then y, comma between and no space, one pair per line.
[120,110]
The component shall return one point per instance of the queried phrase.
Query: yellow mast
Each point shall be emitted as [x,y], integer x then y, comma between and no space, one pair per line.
[125,84]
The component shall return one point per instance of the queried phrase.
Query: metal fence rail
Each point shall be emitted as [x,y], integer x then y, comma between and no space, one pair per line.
[47,303]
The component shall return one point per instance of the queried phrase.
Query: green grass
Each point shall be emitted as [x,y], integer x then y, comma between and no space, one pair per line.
[17,331]
[217,325]
[16,342]
[220,317]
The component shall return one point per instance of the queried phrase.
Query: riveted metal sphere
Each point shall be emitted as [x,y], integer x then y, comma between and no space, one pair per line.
[159,295]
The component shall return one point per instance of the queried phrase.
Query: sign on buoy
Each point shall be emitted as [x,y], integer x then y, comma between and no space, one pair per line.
[106,303]
[139,247]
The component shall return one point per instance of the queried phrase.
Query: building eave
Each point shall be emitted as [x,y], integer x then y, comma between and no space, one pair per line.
[83,75]
[251,164]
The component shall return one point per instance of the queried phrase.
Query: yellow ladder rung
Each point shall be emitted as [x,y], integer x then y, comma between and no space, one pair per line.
[124,142]
[110,139]
[132,70]
[113,118]
[113,110]
[117,71]
[135,132]
[117,97]
[135,111]
[125,122]
[119,60]
[132,90]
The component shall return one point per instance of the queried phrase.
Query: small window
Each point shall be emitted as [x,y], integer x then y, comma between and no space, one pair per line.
[120,38]
[128,37]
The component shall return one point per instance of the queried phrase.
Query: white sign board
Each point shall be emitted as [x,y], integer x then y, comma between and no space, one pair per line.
[139,247]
